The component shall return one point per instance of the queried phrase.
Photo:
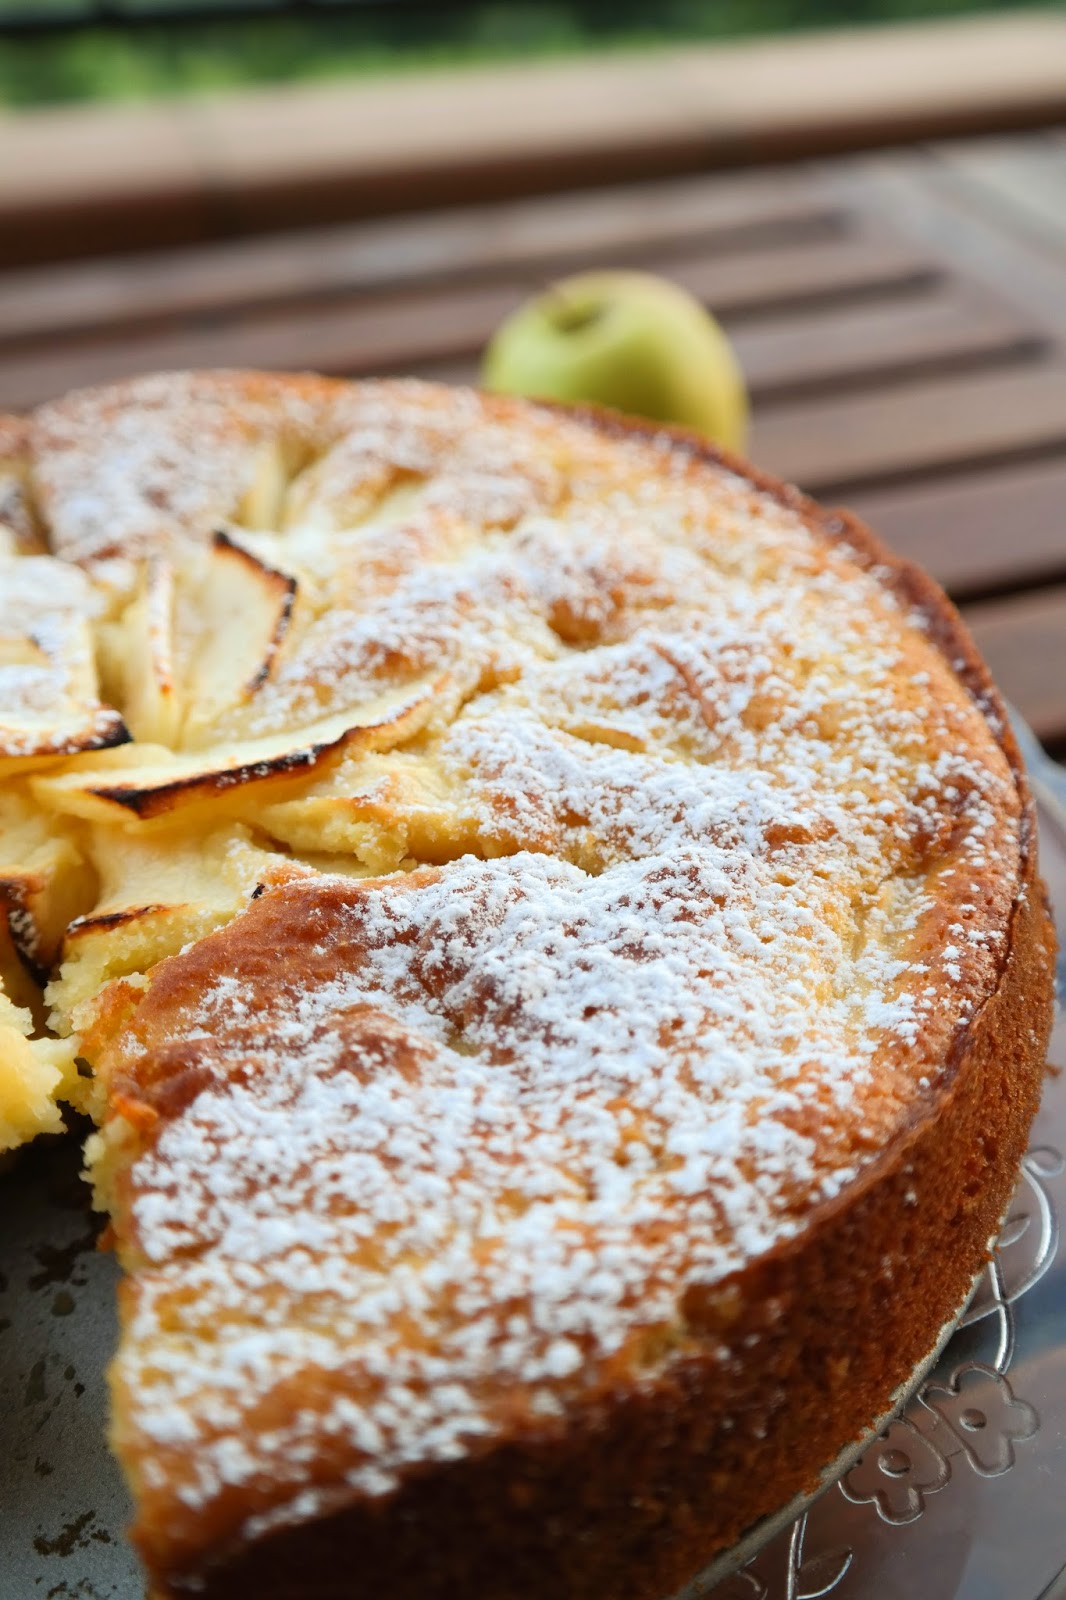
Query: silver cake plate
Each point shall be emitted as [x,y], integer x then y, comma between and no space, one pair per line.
[960,1497]
[742,1555]
[959,1405]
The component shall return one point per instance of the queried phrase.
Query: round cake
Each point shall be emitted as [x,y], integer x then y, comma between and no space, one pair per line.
[546,920]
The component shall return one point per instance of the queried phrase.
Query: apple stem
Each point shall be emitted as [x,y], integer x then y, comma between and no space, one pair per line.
[570,316]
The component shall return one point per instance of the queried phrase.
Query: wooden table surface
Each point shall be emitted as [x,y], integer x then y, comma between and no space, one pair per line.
[901,319]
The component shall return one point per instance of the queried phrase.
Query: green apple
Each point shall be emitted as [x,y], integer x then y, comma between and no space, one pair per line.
[628,340]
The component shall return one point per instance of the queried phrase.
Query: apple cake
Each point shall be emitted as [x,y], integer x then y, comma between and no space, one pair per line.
[546,921]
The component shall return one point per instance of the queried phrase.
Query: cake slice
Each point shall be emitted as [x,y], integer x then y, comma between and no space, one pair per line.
[442,1280]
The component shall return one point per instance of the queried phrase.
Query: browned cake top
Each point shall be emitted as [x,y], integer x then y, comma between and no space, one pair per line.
[666,857]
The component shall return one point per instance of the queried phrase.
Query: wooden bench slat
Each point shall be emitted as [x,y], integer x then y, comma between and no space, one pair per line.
[948,324]
[546,235]
[980,532]
[1024,642]
[387,332]
[1022,182]
[830,445]
[928,203]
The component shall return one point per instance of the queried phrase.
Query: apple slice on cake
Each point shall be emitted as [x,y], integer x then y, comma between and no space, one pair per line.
[49,694]
[198,640]
[148,782]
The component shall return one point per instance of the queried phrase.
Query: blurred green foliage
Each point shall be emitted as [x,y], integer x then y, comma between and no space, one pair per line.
[150,60]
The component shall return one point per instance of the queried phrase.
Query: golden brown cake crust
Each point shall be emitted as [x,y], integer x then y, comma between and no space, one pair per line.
[649,1485]
[648,1480]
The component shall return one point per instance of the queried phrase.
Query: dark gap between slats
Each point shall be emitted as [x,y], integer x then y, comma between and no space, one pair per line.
[862,483]
[1009,588]
[889,375]
[916,280]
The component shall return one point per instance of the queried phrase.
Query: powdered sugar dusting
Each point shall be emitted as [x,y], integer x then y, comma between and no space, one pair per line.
[511,1105]
[425,1156]
[523,1105]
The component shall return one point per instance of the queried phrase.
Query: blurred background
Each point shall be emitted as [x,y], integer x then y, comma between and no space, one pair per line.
[73,50]
[866,199]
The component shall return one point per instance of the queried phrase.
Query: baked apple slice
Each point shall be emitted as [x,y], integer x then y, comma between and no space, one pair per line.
[197,641]
[19,528]
[149,781]
[153,466]
[137,654]
[49,693]
[34,1075]
[243,610]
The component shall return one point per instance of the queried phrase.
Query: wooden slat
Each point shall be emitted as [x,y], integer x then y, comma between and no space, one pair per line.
[979,532]
[535,236]
[1024,642]
[947,325]
[338,338]
[1022,182]
[930,204]
[294,156]
[72,179]
[388,332]
[828,446]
